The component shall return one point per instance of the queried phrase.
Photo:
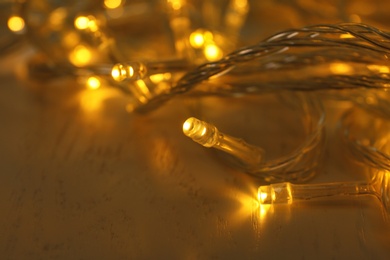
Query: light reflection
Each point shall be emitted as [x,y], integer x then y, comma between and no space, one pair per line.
[378,68]
[340,68]
[92,101]
[249,208]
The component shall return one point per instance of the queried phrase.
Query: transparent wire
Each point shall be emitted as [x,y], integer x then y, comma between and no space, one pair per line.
[287,193]
[295,59]
[297,165]
[367,135]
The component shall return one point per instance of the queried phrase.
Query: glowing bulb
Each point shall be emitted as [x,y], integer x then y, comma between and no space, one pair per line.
[196,39]
[86,22]
[16,24]
[128,71]
[287,193]
[81,22]
[212,52]
[176,4]
[80,56]
[209,136]
[112,4]
[93,83]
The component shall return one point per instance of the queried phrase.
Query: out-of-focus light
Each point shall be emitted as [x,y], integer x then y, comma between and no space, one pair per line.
[86,22]
[354,18]
[379,68]
[70,39]
[93,83]
[212,52]
[80,56]
[197,39]
[81,22]
[340,68]
[346,36]
[16,24]
[176,4]
[157,78]
[57,17]
[112,4]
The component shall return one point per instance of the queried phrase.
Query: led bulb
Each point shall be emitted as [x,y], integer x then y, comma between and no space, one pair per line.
[286,193]
[128,71]
[208,135]
[201,132]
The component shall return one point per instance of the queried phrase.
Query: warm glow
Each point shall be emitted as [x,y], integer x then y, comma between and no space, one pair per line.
[93,83]
[94,101]
[354,18]
[262,196]
[121,72]
[378,68]
[57,18]
[176,4]
[81,22]
[112,4]
[143,91]
[241,3]
[80,56]
[346,36]
[212,52]
[70,39]
[340,68]
[187,125]
[84,22]
[197,39]
[157,78]
[263,210]
[16,23]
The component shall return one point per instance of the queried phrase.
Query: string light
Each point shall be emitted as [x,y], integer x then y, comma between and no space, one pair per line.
[287,193]
[206,61]
[297,165]
[208,135]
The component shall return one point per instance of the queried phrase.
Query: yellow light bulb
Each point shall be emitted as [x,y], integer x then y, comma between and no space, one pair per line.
[112,4]
[80,55]
[208,135]
[212,52]
[128,71]
[81,22]
[93,83]
[285,192]
[16,23]
[196,39]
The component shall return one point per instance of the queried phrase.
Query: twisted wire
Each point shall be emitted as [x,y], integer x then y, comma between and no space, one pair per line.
[363,44]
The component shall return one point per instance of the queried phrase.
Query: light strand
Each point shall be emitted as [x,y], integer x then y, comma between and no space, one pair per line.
[287,193]
[367,45]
